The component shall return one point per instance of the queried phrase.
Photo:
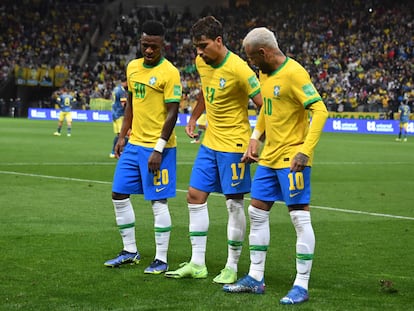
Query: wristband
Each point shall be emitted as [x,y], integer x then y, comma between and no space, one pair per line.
[159,146]
[256,135]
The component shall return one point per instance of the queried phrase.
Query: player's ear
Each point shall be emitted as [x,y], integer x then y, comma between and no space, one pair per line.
[262,52]
[219,40]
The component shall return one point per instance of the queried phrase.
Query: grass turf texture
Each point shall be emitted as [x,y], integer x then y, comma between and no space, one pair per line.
[58,227]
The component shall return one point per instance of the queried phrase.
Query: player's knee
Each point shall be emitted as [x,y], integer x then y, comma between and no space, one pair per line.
[235,206]
[298,207]
[119,196]
[195,196]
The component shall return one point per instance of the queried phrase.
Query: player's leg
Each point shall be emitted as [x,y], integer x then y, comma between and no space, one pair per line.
[60,123]
[116,125]
[158,188]
[115,140]
[400,132]
[297,197]
[236,230]
[405,127]
[162,232]
[126,181]
[198,228]
[259,238]
[69,124]
[203,180]
[264,186]
[235,182]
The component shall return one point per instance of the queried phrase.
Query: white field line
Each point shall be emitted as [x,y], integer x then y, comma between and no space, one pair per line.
[70,163]
[185,163]
[213,194]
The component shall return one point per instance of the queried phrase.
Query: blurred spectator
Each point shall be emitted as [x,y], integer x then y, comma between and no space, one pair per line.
[359,53]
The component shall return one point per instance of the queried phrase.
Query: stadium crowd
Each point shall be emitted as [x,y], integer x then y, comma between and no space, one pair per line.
[359,53]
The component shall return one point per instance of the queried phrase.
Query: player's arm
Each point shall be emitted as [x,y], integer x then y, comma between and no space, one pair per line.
[121,95]
[154,161]
[123,101]
[170,121]
[319,116]
[126,125]
[258,100]
[258,135]
[74,101]
[198,110]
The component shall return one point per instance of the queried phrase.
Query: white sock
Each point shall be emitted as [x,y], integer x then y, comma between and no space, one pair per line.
[162,229]
[259,239]
[305,246]
[125,219]
[199,222]
[236,230]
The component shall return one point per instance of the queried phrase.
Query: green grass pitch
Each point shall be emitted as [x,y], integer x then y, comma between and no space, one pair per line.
[57,227]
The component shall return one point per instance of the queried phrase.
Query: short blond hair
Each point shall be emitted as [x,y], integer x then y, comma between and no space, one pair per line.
[260,36]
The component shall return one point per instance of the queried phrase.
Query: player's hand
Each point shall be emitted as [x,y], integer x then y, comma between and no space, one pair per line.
[299,162]
[154,162]
[190,128]
[119,147]
[252,153]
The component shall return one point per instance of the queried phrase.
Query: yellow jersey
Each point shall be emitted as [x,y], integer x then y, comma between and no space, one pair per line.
[227,89]
[287,92]
[152,88]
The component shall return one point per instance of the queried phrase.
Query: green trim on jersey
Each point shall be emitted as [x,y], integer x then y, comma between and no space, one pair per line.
[223,62]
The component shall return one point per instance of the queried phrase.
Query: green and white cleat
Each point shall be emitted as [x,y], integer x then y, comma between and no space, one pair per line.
[226,276]
[188,270]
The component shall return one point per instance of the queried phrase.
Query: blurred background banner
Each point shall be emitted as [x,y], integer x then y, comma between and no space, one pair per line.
[359,126]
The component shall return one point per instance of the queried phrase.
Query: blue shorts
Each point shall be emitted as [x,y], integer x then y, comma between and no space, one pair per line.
[133,177]
[282,185]
[222,172]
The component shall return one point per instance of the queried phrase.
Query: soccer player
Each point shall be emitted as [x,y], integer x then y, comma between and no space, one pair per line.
[284,167]
[119,97]
[227,84]
[65,101]
[404,111]
[147,163]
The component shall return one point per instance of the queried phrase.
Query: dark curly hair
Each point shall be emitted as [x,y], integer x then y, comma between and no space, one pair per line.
[207,26]
[153,28]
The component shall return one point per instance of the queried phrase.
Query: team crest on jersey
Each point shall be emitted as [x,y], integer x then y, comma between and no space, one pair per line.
[152,81]
[276,90]
[222,83]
